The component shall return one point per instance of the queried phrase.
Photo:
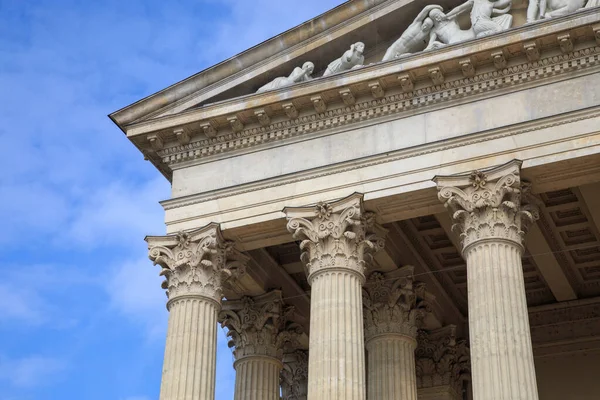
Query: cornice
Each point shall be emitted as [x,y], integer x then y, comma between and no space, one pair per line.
[488,83]
[565,323]
[389,75]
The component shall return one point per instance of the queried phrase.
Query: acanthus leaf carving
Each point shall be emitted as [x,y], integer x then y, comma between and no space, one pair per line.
[196,263]
[394,303]
[294,376]
[442,359]
[259,326]
[335,235]
[494,204]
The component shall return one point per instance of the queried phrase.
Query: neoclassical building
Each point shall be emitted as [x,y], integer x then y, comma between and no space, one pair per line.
[393,201]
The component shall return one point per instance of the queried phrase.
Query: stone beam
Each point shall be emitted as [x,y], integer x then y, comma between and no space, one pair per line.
[277,277]
[410,256]
[591,194]
[548,265]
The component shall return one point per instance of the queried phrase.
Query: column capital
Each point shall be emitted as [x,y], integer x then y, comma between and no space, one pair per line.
[493,204]
[334,235]
[294,375]
[442,359]
[197,263]
[393,304]
[259,326]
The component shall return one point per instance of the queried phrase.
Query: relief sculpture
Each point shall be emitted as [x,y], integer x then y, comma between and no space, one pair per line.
[433,28]
[352,58]
[298,75]
[415,37]
[545,9]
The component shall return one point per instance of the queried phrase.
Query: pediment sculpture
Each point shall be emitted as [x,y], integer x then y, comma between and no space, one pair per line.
[351,59]
[545,9]
[415,37]
[298,75]
[433,28]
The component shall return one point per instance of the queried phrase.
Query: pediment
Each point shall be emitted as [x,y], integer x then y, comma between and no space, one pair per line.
[377,23]
[217,112]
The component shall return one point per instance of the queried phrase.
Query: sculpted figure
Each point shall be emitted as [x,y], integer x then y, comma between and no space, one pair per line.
[544,9]
[415,37]
[298,75]
[351,59]
[592,3]
[446,30]
[487,16]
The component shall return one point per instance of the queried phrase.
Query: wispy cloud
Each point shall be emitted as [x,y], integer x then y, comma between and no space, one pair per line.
[32,371]
[76,198]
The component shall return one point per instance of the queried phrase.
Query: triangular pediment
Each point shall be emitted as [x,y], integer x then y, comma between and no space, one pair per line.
[376,23]
[218,112]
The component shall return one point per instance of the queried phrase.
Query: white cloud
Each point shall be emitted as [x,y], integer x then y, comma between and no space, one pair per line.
[32,371]
[135,291]
[30,291]
[120,213]
[23,305]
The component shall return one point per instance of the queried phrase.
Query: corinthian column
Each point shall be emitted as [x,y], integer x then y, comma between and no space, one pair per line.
[443,364]
[394,310]
[492,212]
[258,327]
[294,376]
[335,240]
[196,266]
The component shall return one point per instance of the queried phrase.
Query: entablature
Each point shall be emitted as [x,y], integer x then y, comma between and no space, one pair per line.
[513,60]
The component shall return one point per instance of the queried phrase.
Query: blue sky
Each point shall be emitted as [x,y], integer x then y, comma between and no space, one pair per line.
[83,314]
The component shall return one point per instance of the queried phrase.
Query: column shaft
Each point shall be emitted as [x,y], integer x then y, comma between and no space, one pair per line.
[195,266]
[391,373]
[336,363]
[190,352]
[257,378]
[493,211]
[501,353]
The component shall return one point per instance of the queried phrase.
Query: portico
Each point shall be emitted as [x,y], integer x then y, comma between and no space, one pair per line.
[425,227]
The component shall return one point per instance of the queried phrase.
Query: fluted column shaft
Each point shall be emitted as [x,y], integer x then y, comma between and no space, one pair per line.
[195,265]
[337,240]
[190,353]
[259,328]
[257,378]
[493,210]
[336,362]
[501,352]
[391,372]
[394,308]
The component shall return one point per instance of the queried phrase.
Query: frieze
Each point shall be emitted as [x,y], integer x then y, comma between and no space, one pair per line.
[393,104]
[579,320]
[400,155]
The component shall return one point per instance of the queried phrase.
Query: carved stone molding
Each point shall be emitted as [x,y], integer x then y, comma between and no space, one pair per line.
[259,326]
[402,155]
[294,376]
[442,359]
[197,263]
[571,322]
[335,235]
[393,303]
[408,101]
[489,205]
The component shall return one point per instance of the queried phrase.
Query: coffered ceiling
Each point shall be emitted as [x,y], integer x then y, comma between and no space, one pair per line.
[561,261]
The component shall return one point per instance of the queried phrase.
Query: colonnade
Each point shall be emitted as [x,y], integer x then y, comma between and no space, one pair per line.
[352,311]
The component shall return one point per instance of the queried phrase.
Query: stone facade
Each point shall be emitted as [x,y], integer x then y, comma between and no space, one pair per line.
[409,216]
